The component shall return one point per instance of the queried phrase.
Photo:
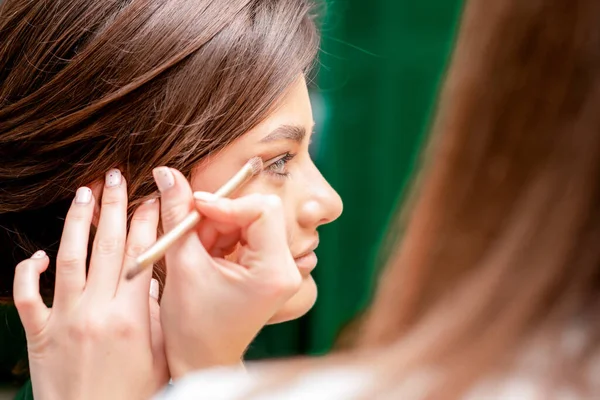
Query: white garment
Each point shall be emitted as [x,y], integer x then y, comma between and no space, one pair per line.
[230,384]
[333,384]
[524,382]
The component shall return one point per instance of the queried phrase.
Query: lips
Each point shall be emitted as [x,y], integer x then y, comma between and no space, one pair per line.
[307,260]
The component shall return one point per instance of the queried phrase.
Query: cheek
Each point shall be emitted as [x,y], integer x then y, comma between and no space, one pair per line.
[289,210]
[208,179]
[286,192]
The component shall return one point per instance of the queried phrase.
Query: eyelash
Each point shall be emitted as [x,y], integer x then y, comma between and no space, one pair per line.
[280,163]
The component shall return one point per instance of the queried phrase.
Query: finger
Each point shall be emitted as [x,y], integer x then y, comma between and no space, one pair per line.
[175,205]
[176,196]
[218,237]
[260,218]
[109,244]
[142,234]
[156,334]
[207,233]
[96,188]
[265,253]
[72,253]
[26,291]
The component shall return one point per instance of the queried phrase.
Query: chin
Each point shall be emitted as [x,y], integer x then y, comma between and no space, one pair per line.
[299,304]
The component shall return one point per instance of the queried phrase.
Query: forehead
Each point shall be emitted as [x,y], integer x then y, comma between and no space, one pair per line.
[294,109]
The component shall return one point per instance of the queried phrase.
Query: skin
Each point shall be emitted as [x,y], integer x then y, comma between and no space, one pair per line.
[109,324]
[308,199]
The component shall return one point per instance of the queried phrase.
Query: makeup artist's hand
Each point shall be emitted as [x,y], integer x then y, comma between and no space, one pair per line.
[101,339]
[211,308]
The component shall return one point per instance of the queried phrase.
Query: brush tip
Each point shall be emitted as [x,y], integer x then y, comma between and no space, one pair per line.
[256,164]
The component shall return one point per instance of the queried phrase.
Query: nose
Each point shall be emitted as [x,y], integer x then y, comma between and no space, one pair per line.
[321,203]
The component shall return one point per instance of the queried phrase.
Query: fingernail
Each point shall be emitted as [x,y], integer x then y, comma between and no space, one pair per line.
[83,195]
[113,178]
[39,254]
[205,196]
[154,289]
[150,201]
[164,178]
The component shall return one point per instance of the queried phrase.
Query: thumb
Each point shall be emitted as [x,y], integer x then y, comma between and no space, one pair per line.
[176,204]
[26,292]
[160,367]
[176,200]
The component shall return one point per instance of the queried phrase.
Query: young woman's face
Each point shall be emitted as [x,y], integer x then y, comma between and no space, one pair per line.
[308,200]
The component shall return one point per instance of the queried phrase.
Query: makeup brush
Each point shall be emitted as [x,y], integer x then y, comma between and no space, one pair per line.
[159,248]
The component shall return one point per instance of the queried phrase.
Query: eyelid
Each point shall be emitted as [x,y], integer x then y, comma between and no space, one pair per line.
[273,160]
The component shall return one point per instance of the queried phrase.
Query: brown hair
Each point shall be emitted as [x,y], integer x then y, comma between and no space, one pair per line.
[503,239]
[498,252]
[89,85]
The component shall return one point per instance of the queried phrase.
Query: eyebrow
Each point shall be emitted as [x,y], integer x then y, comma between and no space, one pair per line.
[286,132]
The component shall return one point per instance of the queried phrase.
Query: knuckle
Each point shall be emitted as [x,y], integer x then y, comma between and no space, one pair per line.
[24,265]
[256,198]
[123,327]
[109,245]
[69,260]
[86,329]
[174,213]
[273,202]
[284,284]
[92,329]
[77,216]
[270,204]
[134,249]
[113,199]
[143,216]
[25,303]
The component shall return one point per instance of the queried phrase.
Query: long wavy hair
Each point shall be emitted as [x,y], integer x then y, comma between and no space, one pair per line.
[89,85]
[500,248]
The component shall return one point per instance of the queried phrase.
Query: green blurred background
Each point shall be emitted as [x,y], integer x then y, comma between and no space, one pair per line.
[381,67]
[380,70]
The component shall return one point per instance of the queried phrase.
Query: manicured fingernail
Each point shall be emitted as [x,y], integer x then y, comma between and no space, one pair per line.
[205,196]
[154,289]
[83,195]
[164,178]
[113,178]
[150,200]
[39,254]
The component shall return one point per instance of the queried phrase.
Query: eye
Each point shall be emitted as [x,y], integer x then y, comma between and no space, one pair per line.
[278,167]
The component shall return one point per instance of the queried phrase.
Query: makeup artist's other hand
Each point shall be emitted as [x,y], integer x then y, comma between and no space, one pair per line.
[212,308]
[101,339]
